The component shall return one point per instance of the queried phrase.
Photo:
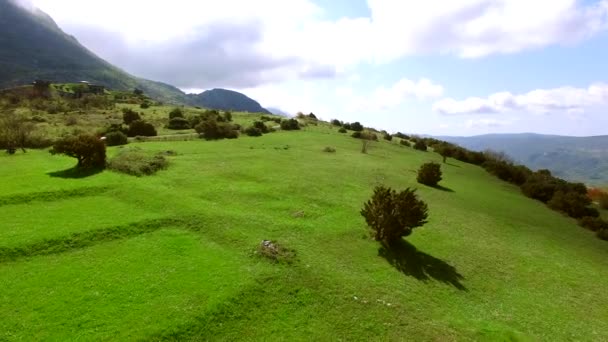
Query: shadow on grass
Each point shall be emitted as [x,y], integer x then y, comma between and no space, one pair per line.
[448,163]
[414,263]
[442,188]
[75,173]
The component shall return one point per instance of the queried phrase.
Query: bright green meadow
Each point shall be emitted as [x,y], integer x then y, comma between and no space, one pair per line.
[172,256]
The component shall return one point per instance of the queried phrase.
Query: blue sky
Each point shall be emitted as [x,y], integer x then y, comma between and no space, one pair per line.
[462,67]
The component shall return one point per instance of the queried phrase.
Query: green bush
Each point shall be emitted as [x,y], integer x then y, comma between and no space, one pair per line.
[405,143]
[401,136]
[261,126]
[141,128]
[116,138]
[89,150]
[429,174]
[290,125]
[391,214]
[342,130]
[420,145]
[176,113]
[228,116]
[336,122]
[179,123]
[129,116]
[253,131]
[387,137]
[365,135]
[137,163]
[573,204]
[213,130]
[602,234]
[540,185]
[593,223]
[144,105]
[329,149]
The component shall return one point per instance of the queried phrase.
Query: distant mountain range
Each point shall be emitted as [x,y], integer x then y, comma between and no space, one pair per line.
[582,159]
[33,46]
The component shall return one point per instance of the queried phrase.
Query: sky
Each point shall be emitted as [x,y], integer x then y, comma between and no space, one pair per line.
[458,67]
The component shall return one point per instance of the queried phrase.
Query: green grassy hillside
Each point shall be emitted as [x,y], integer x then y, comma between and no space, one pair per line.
[171,256]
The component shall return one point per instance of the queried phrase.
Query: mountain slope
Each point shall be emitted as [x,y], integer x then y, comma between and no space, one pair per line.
[573,158]
[224,99]
[34,47]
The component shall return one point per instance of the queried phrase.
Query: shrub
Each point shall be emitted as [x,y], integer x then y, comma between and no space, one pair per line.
[401,136]
[261,126]
[420,145]
[129,116]
[116,138]
[405,143]
[213,130]
[179,123]
[573,204]
[176,113]
[329,149]
[603,234]
[89,150]
[15,132]
[137,163]
[387,137]
[253,131]
[336,122]
[593,223]
[540,185]
[312,116]
[391,214]
[290,125]
[356,126]
[228,116]
[141,128]
[429,174]
[144,105]
[603,201]
[342,130]
[365,135]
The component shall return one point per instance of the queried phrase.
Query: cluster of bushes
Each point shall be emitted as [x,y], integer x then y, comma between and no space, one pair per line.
[265,118]
[18,132]
[178,120]
[365,135]
[290,125]
[569,198]
[211,129]
[355,126]
[257,129]
[135,162]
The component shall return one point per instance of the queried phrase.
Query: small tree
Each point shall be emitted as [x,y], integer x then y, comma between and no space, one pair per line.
[391,214]
[290,125]
[261,126]
[228,116]
[129,116]
[141,128]
[445,150]
[429,174]
[88,149]
[213,130]
[178,123]
[420,145]
[116,138]
[15,133]
[176,113]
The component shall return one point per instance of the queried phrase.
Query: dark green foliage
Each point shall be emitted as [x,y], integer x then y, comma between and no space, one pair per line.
[15,133]
[391,214]
[213,130]
[137,163]
[429,174]
[329,149]
[138,92]
[89,150]
[176,113]
[141,128]
[179,123]
[336,122]
[144,105]
[290,125]
[401,136]
[405,143]
[265,118]
[445,150]
[355,126]
[540,185]
[342,130]
[573,204]
[129,116]
[253,131]
[116,138]
[365,135]
[261,126]
[228,116]
[312,116]
[602,234]
[420,145]
[603,201]
[595,224]
[387,137]
[506,170]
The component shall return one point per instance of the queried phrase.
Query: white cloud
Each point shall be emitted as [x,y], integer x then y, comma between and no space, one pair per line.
[240,43]
[387,98]
[565,99]
[486,123]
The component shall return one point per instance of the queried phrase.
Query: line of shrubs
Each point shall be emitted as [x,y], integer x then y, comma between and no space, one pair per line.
[560,195]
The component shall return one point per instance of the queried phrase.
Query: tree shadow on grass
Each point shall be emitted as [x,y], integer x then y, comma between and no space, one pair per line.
[75,173]
[442,188]
[414,263]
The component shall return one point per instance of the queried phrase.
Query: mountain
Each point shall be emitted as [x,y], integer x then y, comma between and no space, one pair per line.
[224,99]
[33,46]
[277,111]
[573,158]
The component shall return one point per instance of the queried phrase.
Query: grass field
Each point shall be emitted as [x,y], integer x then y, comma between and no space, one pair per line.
[171,256]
